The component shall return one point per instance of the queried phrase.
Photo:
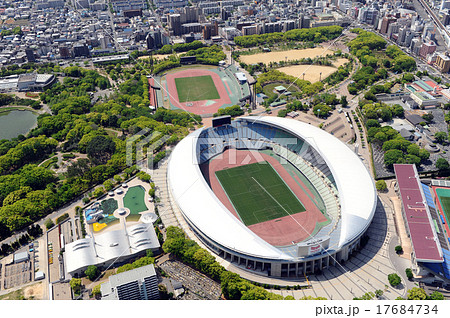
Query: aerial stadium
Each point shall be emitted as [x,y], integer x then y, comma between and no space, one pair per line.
[273,196]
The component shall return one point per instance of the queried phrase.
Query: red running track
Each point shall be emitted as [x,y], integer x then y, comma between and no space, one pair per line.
[198,107]
[151,92]
[278,232]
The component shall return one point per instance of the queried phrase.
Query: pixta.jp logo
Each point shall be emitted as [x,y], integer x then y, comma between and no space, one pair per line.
[136,144]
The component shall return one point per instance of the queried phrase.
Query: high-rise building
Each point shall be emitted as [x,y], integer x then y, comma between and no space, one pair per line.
[30,55]
[171,3]
[393,28]
[446,18]
[175,24]
[209,30]
[64,52]
[304,22]
[370,16]
[427,48]
[416,44]
[81,50]
[137,284]
[385,24]
[154,40]
[401,36]
[189,15]
[443,63]
[104,41]
[224,14]
[250,30]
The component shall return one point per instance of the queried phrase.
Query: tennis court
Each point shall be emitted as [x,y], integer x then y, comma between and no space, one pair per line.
[258,193]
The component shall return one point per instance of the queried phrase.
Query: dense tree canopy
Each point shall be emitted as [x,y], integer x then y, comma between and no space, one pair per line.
[29,192]
[316,35]
[100,149]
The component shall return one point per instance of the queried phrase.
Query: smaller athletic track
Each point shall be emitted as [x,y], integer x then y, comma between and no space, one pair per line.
[199,107]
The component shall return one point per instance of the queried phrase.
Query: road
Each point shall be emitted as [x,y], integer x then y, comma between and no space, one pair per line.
[434,17]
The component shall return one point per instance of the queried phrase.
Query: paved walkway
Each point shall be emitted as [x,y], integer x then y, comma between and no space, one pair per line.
[165,210]
[404,241]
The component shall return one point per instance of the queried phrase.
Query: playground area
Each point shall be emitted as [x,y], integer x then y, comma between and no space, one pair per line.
[108,211]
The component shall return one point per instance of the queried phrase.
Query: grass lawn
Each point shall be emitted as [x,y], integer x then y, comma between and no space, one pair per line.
[191,89]
[134,199]
[258,193]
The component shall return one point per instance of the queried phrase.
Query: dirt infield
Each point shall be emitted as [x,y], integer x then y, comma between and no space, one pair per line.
[278,56]
[312,72]
[198,107]
[278,232]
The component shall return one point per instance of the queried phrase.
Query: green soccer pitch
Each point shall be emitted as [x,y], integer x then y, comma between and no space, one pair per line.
[258,193]
[191,89]
[444,198]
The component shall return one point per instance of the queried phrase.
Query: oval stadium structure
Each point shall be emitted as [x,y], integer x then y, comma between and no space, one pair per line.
[271,195]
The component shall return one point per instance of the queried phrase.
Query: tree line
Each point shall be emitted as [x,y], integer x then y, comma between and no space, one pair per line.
[233,286]
[316,35]
[377,60]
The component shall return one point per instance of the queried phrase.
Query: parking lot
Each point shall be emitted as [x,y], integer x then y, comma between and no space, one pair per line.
[53,253]
[18,274]
[197,285]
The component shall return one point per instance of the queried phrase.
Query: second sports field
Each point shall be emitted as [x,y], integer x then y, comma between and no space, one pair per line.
[191,89]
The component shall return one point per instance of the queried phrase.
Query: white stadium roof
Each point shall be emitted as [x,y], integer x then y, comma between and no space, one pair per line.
[202,208]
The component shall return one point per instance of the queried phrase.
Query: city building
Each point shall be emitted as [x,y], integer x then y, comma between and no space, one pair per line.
[442,63]
[136,284]
[175,24]
[171,3]
[427,48]
[385,22]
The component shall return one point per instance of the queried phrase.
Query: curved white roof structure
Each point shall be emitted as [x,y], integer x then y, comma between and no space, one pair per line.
[110,246]
[202,209]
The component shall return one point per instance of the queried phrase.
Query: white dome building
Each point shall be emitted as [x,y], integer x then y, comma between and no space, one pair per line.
[340,184]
